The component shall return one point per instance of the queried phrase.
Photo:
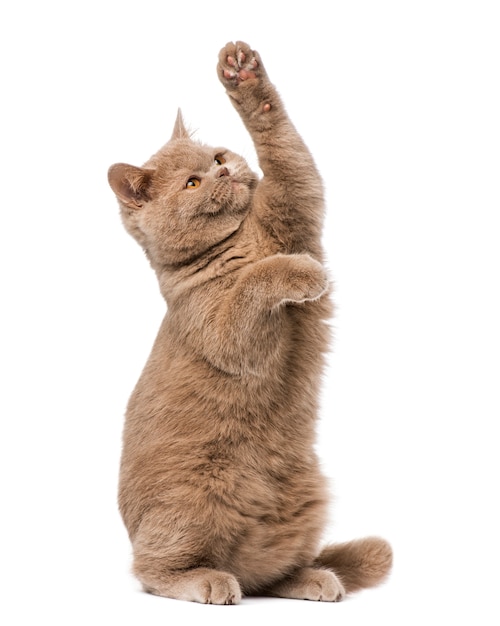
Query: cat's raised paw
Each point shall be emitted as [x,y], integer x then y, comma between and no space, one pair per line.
[237,63]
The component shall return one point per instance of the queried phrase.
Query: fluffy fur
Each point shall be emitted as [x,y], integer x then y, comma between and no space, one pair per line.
[220,488]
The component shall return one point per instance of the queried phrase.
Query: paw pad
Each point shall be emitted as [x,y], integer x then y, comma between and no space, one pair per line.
[237,63]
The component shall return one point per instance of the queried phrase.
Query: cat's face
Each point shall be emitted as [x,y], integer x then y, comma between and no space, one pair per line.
[187,198]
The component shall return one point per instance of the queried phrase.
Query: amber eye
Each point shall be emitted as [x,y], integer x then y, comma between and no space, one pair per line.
[219,160]
[192,183]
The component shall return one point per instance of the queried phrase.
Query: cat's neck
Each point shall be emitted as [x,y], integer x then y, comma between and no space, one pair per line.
[228,255]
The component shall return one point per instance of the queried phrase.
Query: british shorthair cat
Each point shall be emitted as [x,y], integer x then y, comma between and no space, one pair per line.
[220,488]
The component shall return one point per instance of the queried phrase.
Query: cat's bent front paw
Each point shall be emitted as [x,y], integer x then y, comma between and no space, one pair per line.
[307,279]
[237,63]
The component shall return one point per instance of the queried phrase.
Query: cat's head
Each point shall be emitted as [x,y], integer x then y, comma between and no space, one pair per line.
[187,198]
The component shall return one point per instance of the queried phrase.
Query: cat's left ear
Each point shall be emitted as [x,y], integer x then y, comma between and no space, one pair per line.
[132,185]
[180,131]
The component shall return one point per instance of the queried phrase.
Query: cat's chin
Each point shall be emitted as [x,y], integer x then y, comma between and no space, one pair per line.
[232,197]
[238,186]
[233,210]
[240,193]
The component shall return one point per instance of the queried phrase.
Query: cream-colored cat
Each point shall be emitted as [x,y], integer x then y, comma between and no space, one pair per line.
[220,488]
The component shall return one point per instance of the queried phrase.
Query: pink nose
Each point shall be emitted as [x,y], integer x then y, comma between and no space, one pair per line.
[223,172]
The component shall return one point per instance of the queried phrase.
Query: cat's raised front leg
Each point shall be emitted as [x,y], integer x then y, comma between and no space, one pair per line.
[239,64]
[242,73]
[289,199]
[310,584]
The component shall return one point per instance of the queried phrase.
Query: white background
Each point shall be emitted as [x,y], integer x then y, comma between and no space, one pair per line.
[399,103]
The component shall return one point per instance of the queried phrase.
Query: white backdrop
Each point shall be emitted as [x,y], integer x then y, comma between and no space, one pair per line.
[399,103]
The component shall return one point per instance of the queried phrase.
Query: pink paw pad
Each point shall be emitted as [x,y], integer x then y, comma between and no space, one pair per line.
[243,69]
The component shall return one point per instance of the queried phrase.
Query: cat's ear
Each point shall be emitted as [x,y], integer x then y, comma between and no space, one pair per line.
[132,185]
[180,131]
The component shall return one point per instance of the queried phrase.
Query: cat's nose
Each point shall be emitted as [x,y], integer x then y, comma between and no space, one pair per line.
[223,172]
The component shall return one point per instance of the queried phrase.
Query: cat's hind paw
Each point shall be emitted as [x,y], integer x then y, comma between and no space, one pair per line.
[237,63]
[320,585]
[204,585]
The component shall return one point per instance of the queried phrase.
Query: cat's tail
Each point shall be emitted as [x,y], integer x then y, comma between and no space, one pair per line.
[360,563]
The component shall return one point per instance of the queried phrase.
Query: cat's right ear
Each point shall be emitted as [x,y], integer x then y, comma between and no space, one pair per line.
[132,185]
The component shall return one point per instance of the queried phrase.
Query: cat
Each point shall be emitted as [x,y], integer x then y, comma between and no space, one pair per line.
[220,488]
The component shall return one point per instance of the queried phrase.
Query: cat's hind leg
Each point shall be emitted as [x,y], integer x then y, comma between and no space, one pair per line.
[309,583]
[202,584]
[167,561]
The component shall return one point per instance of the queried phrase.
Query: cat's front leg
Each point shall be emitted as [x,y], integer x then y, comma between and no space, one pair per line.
[296,278]
[245,333]
[289,199]
[242,73]
[275,281]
